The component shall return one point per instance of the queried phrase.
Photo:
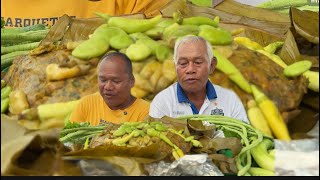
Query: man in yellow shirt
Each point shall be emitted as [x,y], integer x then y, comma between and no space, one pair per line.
[114,102]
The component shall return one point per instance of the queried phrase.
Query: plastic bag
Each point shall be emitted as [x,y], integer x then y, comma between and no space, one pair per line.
[188,165]
[99,168]
[297,157]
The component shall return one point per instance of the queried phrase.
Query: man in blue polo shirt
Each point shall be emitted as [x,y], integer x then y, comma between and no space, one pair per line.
[194,93]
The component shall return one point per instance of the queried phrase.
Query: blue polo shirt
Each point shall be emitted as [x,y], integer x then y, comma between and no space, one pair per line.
[182,98]
[173,102]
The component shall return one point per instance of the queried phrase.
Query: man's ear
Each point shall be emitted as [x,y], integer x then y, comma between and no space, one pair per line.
[213,64]
[133,80]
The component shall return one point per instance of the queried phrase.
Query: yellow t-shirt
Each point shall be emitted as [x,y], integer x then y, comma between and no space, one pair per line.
[93,109]
[21,13]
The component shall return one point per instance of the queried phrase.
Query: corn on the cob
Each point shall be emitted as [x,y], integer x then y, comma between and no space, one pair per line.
[257,118]
[272,114]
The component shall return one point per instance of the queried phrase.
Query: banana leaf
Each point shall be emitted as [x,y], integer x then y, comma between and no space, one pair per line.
[289,52]
[262,37]
[311,100]
[313,59]
[10,129]
[236,8]
[151,151]
[215,144]
[197,128]
[35,153]
[170,122]
[79,29]
[275,28]
[304,122]
[174,6]
[67,29]
[306,23]
[57,31]
[158,150]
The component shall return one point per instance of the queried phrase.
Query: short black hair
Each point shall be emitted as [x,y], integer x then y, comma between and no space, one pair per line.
[122,56]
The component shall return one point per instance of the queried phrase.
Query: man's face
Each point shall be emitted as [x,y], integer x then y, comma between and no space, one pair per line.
[192,66]
[115,83]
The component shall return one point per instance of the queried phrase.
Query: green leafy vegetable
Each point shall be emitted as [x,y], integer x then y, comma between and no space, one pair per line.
[78,133]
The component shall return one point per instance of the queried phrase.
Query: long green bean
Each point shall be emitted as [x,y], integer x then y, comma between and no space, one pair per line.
[66,131]
[70,135]
[236,126]
[242,170]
